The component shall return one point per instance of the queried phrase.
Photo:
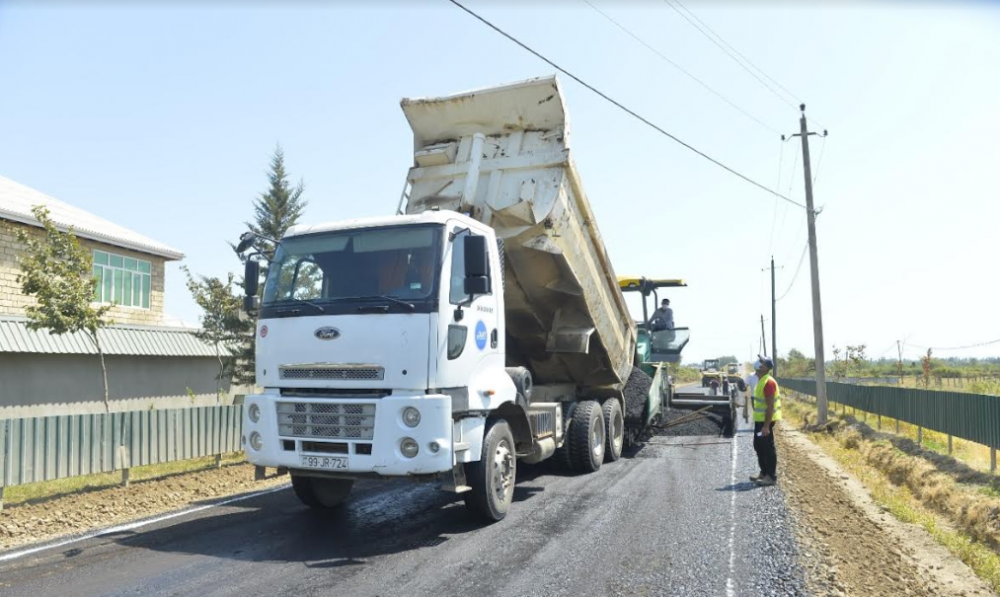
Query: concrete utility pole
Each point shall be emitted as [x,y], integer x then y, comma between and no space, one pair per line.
[763,338]
[821,402]
[774,324]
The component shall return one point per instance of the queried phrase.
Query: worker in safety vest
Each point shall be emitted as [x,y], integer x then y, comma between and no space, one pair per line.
[766,411]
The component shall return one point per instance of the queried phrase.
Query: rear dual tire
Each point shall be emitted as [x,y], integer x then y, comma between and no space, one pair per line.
[587,437]
[614,430]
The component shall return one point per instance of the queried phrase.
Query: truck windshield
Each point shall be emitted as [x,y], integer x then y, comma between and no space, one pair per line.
[364,265]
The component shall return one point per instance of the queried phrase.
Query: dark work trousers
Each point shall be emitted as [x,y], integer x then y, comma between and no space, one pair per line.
[767,456]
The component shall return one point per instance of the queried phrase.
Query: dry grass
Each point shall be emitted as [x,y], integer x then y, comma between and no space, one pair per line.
[957,504]
[45,490]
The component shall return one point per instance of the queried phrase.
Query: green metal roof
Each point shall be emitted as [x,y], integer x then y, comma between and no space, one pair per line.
[115,340]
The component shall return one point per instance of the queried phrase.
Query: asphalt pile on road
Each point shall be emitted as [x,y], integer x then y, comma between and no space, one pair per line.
[707,423]
[636,396]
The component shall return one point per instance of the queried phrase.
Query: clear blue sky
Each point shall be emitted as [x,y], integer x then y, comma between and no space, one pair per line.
[162,119]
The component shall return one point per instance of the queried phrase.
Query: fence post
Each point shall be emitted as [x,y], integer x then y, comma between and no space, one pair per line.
[949,444]
[126,463]
[218,461]
[880,422]
[897,425]
[920,436]
[993,460]
[1,498]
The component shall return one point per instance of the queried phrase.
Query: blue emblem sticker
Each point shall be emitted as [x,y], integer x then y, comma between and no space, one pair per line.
[480,335]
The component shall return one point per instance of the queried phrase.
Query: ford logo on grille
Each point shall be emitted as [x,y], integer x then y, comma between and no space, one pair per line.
[327,333]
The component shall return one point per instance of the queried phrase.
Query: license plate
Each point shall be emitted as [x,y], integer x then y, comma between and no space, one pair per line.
[324,462]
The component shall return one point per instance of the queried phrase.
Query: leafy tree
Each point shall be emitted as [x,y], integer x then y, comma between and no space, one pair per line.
[280,207]
[796,365]
[222,325]
[59,273]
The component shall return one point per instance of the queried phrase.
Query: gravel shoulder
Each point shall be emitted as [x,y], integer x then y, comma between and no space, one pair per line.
[850,545]
[78,513]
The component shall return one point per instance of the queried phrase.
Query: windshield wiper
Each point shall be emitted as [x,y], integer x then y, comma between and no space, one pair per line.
[299,302]
[387,297]
[410,306]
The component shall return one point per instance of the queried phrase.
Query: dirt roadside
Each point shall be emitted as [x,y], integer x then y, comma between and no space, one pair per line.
[78,513]
[850,546]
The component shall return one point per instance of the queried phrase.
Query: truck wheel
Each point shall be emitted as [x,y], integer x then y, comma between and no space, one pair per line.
[321,494]
[492,478]
[562,456]
[586,437]
[614,430]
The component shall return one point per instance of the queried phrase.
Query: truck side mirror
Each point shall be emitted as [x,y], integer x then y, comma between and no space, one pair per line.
[251,277]
[477,270]
[251,304]
[477,285]
[476,257]
[247,239]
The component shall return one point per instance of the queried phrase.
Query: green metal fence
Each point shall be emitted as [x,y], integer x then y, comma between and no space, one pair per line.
[47,448]
[974,417]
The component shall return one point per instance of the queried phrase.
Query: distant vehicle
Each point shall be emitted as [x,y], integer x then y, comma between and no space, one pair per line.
[710,371]
[734,373]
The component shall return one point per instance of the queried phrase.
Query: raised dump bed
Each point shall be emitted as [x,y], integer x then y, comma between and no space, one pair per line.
[502,155]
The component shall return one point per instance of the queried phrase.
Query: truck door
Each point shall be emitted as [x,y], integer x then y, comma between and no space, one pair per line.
[471,329]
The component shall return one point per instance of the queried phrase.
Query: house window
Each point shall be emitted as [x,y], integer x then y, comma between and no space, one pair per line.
[121,280]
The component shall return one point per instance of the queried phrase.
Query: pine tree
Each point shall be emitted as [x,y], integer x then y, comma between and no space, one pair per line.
[280,207]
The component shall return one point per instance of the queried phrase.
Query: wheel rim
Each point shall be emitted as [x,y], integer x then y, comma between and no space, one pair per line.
[503,470]
[597,438]
[618,431]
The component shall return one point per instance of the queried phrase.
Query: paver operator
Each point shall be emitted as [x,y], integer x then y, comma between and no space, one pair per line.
[663,317]
[766,411]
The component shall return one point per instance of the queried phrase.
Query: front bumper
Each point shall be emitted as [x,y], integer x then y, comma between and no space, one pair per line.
[286,447]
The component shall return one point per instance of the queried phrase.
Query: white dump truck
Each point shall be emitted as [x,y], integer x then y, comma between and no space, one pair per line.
[480,325]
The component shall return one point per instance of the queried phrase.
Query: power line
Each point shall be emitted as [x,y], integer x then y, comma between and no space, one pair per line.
[730,50]
[625,109]
[977,345]
[795,275]
[680,68]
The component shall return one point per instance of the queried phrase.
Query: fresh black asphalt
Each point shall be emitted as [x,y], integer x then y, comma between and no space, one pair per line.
[673,517]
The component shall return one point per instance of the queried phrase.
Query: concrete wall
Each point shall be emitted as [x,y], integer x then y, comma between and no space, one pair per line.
[12,302]
[43,384]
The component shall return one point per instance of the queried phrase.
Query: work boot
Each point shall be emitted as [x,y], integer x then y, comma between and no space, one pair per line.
[765,481]
[757,476]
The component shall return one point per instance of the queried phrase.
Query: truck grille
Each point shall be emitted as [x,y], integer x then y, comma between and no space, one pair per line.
[332,373]
[324,420]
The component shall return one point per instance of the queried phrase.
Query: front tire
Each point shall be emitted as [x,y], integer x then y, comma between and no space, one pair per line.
[321,494]
[614,430]
[586,437]
[492,478]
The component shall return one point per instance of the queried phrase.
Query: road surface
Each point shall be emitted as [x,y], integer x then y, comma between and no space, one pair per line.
[676,517]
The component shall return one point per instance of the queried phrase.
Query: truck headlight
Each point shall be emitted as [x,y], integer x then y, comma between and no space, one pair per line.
[409,447]
[254,412]
[256,442]
[411,416]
